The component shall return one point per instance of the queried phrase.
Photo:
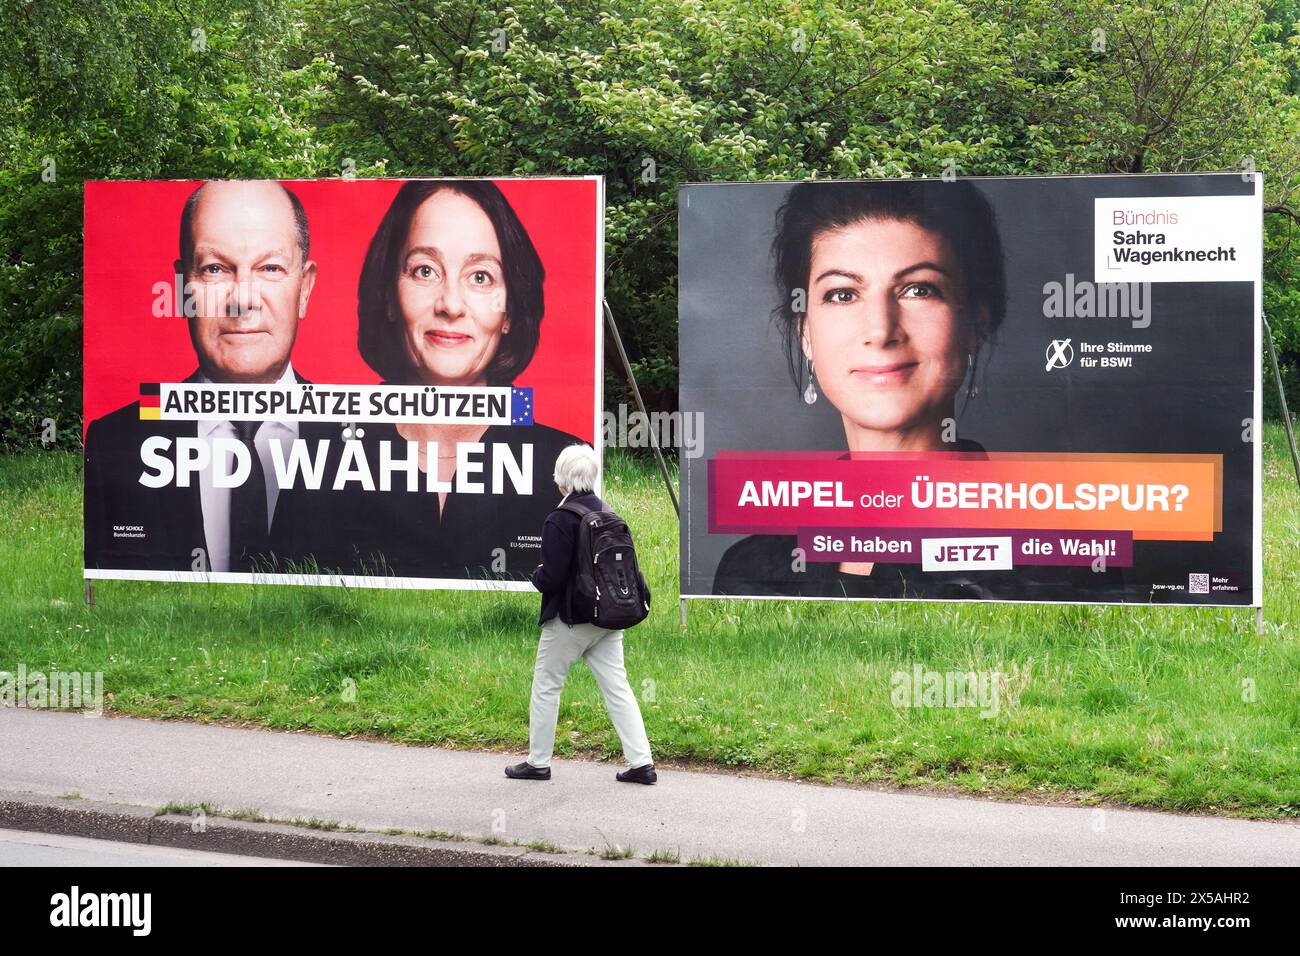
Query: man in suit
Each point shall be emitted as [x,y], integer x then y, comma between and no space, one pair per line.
[244,250]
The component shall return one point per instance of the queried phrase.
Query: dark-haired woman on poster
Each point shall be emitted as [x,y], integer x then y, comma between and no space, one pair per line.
[905,288]
[450,295]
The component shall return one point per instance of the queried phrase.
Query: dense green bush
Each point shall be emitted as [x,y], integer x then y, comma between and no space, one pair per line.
[114,89]
[649,93]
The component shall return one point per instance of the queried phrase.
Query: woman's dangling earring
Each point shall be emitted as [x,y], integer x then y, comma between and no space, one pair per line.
[973,390]
[809,393]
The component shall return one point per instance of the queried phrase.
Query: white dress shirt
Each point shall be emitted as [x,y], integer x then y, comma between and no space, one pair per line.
[216,501]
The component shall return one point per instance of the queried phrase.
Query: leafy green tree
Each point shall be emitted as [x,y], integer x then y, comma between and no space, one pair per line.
[649,93]
[110,89]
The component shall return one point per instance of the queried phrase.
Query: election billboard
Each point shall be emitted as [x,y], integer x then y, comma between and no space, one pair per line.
[348,382]
[1040,389]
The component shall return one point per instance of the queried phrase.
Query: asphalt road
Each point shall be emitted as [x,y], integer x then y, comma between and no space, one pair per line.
[698,815]
[21,848]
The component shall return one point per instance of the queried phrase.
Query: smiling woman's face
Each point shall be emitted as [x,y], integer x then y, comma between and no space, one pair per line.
[451,291]
[884,331]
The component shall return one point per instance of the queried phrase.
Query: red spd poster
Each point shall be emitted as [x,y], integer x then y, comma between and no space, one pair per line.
[357,382]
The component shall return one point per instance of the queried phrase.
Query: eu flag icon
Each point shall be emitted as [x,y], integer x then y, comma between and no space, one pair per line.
[521,406]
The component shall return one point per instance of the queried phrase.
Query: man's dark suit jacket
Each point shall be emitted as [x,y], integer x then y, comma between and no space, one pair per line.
[559,547]
[169,518]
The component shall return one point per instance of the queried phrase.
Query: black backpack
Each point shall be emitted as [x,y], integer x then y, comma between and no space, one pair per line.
[606,588]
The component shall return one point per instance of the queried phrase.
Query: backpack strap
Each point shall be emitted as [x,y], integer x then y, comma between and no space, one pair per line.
[577,507]
[581,510]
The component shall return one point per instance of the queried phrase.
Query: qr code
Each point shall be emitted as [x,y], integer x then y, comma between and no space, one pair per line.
[1198,584]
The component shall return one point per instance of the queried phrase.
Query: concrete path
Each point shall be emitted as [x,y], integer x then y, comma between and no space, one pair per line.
[696,815]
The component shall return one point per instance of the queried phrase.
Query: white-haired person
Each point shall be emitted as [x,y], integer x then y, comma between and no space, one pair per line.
[564,640]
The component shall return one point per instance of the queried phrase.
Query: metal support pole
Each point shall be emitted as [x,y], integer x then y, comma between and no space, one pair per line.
[90,593]
[682,627]
[1259,621]
[636,394]
[1281,397]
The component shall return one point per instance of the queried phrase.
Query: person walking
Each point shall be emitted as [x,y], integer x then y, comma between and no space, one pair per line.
[564,639]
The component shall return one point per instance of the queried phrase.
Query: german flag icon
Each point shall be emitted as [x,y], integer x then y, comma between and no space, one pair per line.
[149,401]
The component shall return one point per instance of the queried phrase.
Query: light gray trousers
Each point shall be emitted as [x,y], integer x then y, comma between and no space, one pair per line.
[558,650]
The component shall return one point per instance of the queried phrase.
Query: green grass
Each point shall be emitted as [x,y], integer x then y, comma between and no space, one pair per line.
[716,861]
[664,856]
[544,846]
[1142,705]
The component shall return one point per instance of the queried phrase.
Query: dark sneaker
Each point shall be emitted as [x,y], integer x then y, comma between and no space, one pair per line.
[526,771]
[644,775]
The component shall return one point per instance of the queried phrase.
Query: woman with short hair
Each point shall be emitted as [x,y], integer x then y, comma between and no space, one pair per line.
[450,294]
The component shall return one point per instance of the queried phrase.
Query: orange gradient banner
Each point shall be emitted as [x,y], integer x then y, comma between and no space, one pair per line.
[1155,497]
